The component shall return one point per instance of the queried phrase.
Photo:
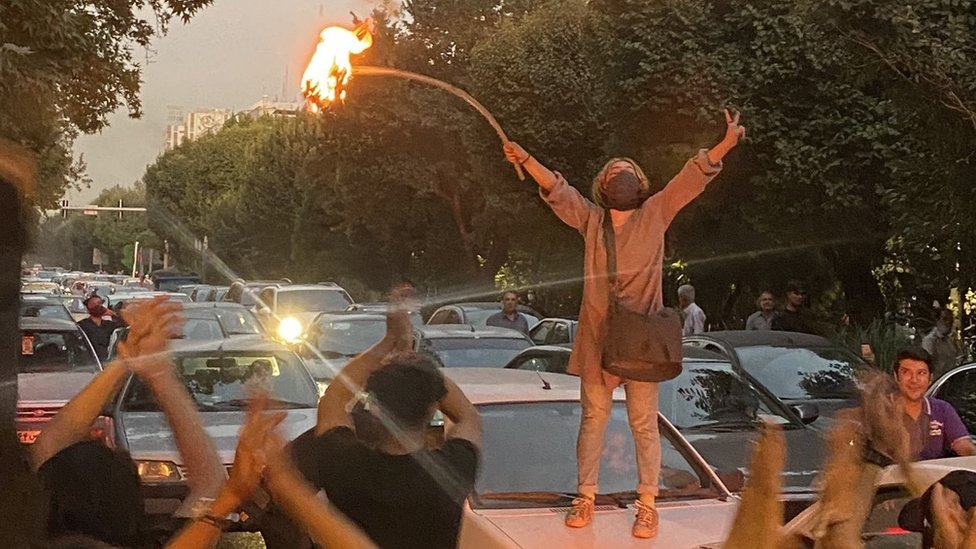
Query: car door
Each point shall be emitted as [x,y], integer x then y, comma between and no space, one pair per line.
[560,334]
[959,389]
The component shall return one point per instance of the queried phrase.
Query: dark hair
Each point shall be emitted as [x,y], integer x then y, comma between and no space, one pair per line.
[406,387]
[795,286]
[913,353]
[506,292]
[94,491]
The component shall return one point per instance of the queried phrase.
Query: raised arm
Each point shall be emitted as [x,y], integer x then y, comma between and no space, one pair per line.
[698,171]
[465,420]
[515,154]
[145,350]
[73,422]
[399,337]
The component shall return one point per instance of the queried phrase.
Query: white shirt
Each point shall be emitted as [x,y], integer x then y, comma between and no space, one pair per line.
[694,320]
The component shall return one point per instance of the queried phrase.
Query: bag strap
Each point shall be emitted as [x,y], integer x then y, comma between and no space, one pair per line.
[610,244]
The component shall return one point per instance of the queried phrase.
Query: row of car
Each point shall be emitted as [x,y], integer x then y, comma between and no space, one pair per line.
[731,383]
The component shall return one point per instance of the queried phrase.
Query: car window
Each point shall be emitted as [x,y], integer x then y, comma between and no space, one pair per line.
[712,396]
[202,328]
[540,331]
[221,383]
[560,334]
[42,309]
[43,351]
[797,372]
[335,338]
[959,389]
[531,447]
[474,352]
[238,321]
[312,300]
[440,317]
[266,298]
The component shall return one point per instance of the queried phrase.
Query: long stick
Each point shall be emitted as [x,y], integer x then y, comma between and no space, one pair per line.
[389,71]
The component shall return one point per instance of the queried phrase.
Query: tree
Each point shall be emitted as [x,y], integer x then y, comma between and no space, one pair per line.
[65,66]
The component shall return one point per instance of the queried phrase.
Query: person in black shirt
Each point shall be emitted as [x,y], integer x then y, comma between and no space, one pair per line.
[99,325]
[793,318]
[369,450]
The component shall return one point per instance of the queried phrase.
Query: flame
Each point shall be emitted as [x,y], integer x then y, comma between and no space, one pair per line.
[329,70]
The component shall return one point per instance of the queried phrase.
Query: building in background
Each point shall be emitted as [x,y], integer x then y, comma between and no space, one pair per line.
[273,107]
[196,124]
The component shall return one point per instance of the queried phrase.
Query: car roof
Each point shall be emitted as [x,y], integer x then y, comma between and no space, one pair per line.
[743,338]
[232,345]
[325,287]
[46,323]
[496,386]
[441,331]
[42,298]
[350,315]
[215,305]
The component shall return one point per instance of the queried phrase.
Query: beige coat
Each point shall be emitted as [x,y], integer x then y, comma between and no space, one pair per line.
[640,256]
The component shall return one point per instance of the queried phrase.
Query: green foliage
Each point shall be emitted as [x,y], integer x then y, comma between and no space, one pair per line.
[64,66]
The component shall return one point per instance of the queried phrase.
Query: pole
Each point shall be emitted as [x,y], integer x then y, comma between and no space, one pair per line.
[135,255]
[165,254]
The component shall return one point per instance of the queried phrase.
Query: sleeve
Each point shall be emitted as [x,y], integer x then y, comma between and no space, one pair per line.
[462,458]
[568,204]
[699,325]
[687,185]
[954,428]
[751,322]
[316,456]
[928,343]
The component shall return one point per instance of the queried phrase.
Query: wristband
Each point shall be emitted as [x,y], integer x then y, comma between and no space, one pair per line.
[527,158]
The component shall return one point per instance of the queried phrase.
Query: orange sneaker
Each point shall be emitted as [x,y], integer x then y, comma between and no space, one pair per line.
[645,526]
[581,514]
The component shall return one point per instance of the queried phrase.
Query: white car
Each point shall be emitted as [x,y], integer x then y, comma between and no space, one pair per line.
[881,529]
[528,475]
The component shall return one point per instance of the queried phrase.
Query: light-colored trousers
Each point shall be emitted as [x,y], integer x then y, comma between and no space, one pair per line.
[642,404]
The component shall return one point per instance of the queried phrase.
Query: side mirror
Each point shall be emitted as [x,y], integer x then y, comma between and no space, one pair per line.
[733,479]
[807,412]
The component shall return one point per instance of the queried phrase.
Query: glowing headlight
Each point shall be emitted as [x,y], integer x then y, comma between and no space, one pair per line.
[158,471]
[290,329]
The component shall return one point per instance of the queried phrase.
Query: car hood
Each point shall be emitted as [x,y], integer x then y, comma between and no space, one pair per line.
[54,386]
[683,525]
[729,451]
[148,436]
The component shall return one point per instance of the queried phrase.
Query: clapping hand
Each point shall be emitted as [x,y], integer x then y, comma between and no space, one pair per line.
[151,325]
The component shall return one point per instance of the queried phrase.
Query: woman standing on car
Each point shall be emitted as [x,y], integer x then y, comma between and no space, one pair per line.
[639,221]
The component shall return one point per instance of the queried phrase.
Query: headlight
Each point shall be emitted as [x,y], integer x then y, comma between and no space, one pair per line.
[290,329]
[158,471]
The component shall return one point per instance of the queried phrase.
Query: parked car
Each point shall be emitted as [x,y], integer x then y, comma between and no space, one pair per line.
[476,314]
[40,287]
[41,306]
[721,411]
[169,281]
[881,529]
[554,331]
[287,309]
[217,375]
[465,346]
[187,289]
[528,472]
[245,292]
[380,307]
[542,358]
[206,321]
[797,368]
[333,338]
[958,387]
[55,362]
[204,293]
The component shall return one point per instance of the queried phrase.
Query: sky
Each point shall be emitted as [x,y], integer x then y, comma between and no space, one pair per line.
[228,56]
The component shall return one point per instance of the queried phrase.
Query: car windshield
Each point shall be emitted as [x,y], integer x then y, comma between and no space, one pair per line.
[313,300]
[173,284]
[43,309]
[801,373]
[531,447]
[221,383]
[238,321]
[708,395]
[335,338]
[470,352]
[44,351]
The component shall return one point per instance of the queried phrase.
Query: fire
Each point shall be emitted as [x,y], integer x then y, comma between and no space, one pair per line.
[329,70]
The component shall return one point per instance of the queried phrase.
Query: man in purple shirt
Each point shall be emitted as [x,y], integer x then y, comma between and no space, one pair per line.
[933,425]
